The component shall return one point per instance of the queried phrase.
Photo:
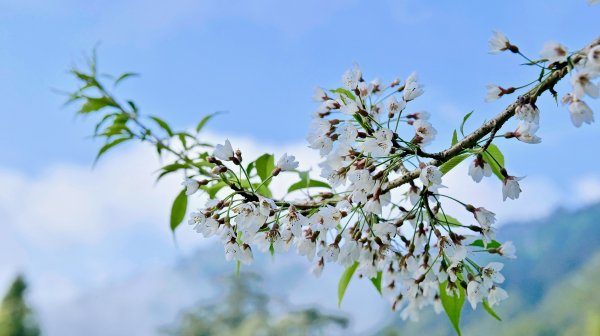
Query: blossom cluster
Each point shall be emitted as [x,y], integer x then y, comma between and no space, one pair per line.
[554,56]
[367,137]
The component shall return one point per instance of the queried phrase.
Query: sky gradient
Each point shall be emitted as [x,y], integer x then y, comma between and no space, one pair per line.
[260,62]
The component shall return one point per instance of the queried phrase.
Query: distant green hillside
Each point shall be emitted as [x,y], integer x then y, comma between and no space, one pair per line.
[553,285]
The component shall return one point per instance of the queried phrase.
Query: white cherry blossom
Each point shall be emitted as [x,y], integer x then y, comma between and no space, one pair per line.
[380,144]
[478,169]
[498,43]
[580,113]
[224,152]
[511,188]
[287,162]
[191,186]
[431,176]
[554,52]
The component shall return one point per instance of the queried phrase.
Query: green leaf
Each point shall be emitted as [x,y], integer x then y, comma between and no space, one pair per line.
[95,104]
[344,92]
[124,76]
[204,120]
[376,281]
[479,243]
[308,184]
[272,250]
[162,124]
[465,118]
[454,138]
[453,305]
[448,220]
[170,168]
[494,157]
[212,190]
[264,166]
[495,152]
[345,280]
[453,162]
[108,146]
[490,311]
[249,168]
[178,210]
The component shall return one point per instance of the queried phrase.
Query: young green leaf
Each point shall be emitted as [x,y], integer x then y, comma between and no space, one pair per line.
[344,92]
[448,220]
[490,311]
[264,166]
[95,104]
[479,243]
[108,146]
[124,76]
[494,157]
[453,162]
[453,305]
[376,281]
[454,138]
[212,190]
[462,126]
[178,210]
[162,124]
[308,184]
[204,120]
[345,280]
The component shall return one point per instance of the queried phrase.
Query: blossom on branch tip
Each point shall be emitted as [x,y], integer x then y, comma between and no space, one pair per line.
[380,144]
[412,88]
[508,250]
[317,269]
[580,113]
[246,256]
[224,152]
[511,188]
[484,217]
[554,52]
[320,95]
[495,295]
[526,133]
[490,274]
[494,92]
[431,176]
[351,77]
[425,133]
[593,59]
[478,169]
[191,186]
[394,106]
[499,43]
[287,162]
[582,85]
[476,292]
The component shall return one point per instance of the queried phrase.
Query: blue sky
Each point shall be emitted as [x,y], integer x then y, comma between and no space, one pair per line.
[260,61]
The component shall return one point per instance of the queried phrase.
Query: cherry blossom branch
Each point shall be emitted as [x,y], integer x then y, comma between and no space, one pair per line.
[494,124]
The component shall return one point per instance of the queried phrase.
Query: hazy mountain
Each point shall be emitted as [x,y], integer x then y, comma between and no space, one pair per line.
[556,260]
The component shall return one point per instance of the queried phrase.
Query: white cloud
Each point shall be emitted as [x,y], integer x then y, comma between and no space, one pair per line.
[79,228]
[539,196]
[587,189]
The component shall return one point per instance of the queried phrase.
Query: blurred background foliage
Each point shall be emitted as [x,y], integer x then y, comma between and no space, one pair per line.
[553,288]
[16,317]
[245,309]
